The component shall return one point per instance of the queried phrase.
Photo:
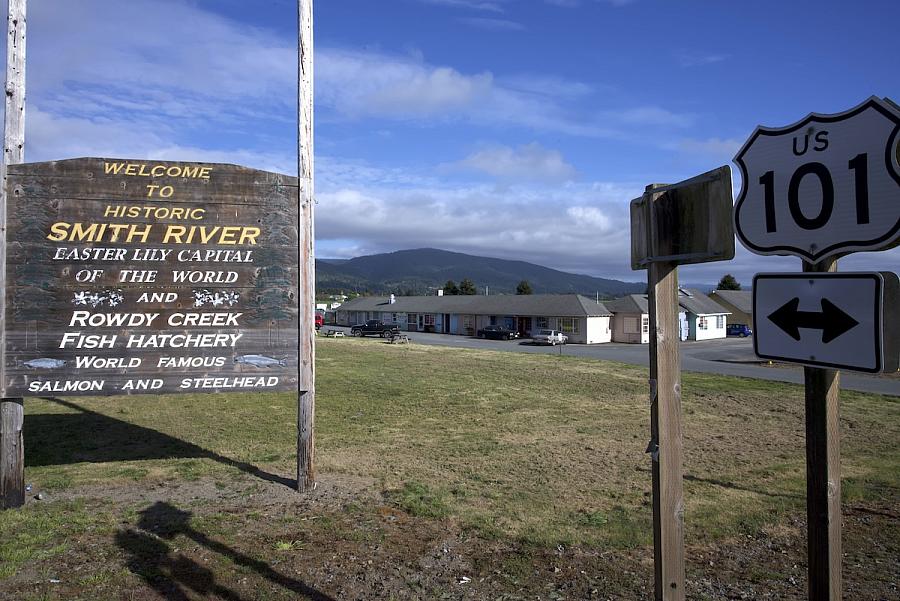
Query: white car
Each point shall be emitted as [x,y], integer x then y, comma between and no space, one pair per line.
[551,337]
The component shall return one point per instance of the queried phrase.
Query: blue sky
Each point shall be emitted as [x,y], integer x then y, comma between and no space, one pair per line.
[511,128]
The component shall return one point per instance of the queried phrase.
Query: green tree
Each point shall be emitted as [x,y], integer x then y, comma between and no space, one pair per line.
[523,288]
[728,283]
[467,287]
[451,288]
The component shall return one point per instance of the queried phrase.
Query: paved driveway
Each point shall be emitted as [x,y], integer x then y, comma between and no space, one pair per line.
[730,356]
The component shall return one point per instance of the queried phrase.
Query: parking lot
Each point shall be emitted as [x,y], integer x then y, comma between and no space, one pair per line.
[728,356]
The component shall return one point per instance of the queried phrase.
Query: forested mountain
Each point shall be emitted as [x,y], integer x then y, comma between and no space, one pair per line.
[420,271]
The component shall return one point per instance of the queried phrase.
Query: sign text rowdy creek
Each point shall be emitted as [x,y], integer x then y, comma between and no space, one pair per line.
[129,277]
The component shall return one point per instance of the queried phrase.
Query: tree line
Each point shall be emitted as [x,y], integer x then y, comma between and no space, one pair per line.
[467,286]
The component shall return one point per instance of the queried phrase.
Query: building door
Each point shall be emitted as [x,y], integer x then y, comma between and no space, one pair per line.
[446,323]
[411,322]
[523,326]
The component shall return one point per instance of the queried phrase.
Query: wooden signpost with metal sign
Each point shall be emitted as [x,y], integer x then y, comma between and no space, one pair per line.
[822,187]
[137,277]
[671,225]
[123,277]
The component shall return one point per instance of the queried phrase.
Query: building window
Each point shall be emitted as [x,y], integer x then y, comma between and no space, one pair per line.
[429,319]
[568,324]
[645,325]
[493,320]
[543,323]
[701,323]
[629,324]
[720,321]
[467,322]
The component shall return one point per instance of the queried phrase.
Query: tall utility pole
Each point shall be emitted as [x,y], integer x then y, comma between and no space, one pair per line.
[12,411]
[306,400]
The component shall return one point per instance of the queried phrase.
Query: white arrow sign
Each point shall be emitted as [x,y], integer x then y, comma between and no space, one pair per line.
[837,320]
[829,184]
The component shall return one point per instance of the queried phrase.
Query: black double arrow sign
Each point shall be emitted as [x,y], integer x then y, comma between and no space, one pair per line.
[831,320]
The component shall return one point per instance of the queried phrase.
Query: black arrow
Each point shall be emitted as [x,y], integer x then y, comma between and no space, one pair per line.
[832,320]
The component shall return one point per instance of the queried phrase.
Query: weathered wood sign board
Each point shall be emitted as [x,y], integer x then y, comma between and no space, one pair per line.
[136,276]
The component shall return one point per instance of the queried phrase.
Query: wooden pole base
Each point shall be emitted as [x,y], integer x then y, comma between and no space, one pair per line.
[12,454]
[823,474]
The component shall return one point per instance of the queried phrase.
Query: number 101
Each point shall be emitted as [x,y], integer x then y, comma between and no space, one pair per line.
[859,166]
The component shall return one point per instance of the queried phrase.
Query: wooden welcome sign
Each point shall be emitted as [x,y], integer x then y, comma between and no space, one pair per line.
[136,276]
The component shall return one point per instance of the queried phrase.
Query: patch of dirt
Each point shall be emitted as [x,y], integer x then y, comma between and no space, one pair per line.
[332,492]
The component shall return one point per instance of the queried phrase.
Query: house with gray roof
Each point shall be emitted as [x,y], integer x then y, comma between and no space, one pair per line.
[738,302]
[706,318]
[700,317]
[631,319]
[582,319]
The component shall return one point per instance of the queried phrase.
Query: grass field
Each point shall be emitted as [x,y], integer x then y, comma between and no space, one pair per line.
[524,473]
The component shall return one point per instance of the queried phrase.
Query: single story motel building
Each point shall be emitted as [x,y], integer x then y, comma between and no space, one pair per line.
[582,319]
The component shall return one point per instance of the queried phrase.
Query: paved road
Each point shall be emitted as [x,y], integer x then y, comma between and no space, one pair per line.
[731,356]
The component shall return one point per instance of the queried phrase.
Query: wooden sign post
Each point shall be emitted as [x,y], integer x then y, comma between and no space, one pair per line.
[688,222]
[12,411]
[306,400]
[823,472]
[125,277]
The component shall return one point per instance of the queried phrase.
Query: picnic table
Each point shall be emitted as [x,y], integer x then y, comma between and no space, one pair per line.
[333,333]
[398,338]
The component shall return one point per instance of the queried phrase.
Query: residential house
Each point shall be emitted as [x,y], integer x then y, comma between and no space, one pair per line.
[631,319]
[706,318]
[582,319]
[738,302]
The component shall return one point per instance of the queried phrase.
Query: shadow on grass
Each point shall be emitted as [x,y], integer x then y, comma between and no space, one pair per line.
[151,557]
[735,486]
[88,436]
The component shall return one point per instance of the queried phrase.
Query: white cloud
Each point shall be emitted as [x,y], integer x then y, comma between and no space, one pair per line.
[493,24]
[156,46]
[690,59]
[652,115]
[358,85]
[528,162]
[54,137]
[722,149]
[470,4]
[581,227]
[362,84]
[590,216]
[548,86]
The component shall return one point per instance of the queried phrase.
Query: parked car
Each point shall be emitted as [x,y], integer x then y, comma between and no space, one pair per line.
[738,329]
[497,333]
[551,337]
[320,320]
[373,327]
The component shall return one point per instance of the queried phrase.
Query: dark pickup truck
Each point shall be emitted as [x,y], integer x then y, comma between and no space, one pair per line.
[373,327]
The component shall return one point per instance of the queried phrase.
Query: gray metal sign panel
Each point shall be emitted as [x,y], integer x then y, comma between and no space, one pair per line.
[684,223]
[826,185]
[838,320]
